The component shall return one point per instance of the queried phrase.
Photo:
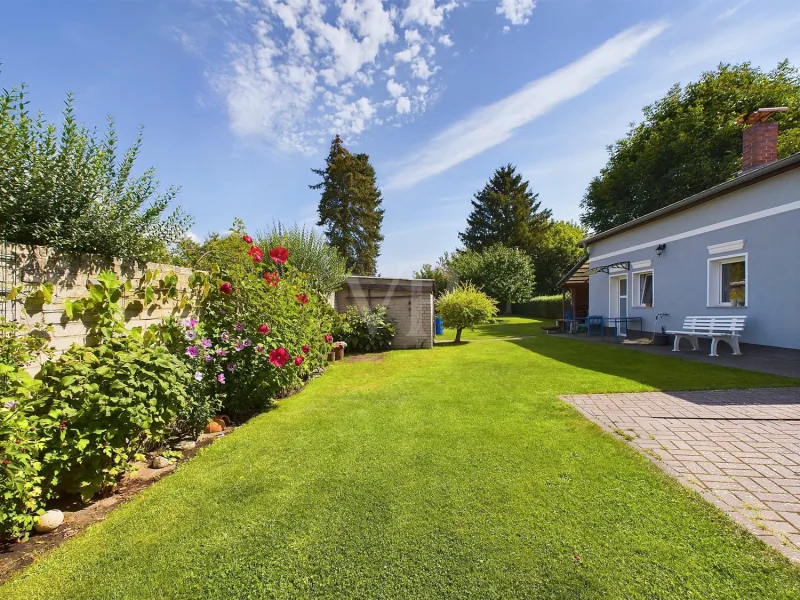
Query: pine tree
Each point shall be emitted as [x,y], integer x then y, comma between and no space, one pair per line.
[350,207]
[505,212]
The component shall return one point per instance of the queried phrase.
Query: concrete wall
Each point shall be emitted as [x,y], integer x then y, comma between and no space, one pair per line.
[765,216]
[409,303]
[69,276]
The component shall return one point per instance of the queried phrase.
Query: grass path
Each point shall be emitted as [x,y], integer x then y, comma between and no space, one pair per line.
[446,473]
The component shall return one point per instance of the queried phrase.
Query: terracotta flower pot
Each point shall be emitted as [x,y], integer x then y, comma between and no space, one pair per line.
[339,353]
[216,425]
[331,356]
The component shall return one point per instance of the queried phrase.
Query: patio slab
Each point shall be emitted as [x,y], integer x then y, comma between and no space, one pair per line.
[765,359]
[740,449]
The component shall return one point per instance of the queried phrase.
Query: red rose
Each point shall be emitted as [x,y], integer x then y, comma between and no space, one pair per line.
[279,357]
[298,360]
[247,239]
[306,349]
[272,278]
[263,329]
[226,288]
[256,253]
[302,298]
[280,255]
[328,338]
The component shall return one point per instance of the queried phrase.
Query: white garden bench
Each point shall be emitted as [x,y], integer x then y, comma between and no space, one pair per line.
[716,328]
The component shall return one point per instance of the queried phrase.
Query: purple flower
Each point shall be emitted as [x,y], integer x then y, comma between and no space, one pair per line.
[231,367]
[248,343]
[239,346]
[239,326]
[190,323]
[192,352]
[198,376]
[221,377]
[223,336]
[206,343]
[190,334]
[220,352]
[10,405]
[260,349]
[208,358]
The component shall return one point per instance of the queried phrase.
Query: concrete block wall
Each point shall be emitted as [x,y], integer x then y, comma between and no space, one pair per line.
[409,303]
[69,276]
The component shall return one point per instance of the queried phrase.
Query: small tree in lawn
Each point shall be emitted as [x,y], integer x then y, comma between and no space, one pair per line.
[465,306]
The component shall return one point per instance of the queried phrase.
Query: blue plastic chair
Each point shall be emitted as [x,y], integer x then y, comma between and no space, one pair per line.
[595,321]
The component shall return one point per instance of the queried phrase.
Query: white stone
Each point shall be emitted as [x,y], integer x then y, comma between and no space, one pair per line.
[49,521]
[159,462]
[186,445]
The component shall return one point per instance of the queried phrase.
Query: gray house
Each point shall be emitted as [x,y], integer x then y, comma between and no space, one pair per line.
[731,250]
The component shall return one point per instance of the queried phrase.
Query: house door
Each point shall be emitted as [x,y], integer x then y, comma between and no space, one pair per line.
[619,302]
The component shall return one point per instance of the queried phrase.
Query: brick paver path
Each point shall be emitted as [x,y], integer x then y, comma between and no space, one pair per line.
[739,448]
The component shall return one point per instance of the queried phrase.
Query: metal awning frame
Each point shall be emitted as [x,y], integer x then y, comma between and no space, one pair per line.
[624,265]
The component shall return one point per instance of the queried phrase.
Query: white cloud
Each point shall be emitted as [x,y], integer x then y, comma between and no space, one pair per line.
[445,40]
[426,13]
[516,11]
[395,89]
[494,124]
[191,235]
[729,12]
[403,105]
[299,71]
[506,28]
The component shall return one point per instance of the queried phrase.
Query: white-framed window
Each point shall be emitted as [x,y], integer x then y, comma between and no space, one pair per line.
[642,289]
[727,280]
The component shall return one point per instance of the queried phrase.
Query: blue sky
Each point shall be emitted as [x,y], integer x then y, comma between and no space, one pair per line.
[239,99]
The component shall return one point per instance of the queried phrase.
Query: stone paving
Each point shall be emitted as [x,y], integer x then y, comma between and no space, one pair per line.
[739,448]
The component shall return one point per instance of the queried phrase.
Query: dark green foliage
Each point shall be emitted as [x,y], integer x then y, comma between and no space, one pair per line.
[101,406]
[440,273]
[73,192]
[542,307]
[365,330]
[689,141]
[505,212]
[556,254]
[311,254]
[350,208]
[504,274]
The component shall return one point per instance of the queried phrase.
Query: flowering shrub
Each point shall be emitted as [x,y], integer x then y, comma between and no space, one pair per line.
[262,329]
[366,330]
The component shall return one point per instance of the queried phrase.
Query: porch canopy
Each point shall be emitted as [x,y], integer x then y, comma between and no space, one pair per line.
[576,282]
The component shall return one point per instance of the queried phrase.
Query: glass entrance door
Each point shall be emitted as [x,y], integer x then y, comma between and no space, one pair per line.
[622,328]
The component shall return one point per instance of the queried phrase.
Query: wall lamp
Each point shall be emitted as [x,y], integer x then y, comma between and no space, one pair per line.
[660,249]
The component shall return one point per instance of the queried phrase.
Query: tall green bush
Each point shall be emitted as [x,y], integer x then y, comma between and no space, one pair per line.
[465,306]
[542,307]
[311,254]
[504,274]
[72,191]
[366,329]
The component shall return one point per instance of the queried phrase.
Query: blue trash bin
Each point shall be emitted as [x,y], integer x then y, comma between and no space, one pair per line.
[439,326]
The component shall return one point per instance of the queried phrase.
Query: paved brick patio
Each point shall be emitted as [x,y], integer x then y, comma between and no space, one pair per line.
[739,448]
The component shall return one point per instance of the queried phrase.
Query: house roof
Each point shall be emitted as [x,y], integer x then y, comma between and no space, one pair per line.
[577,274]
[747,179]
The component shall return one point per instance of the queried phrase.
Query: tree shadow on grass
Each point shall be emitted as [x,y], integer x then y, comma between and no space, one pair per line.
[655,371]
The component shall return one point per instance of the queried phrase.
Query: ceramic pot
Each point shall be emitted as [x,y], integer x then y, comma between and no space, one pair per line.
[331,356]
[339,353]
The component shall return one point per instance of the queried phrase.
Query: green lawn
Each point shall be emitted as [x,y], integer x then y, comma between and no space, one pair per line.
[446,473]
[502,327]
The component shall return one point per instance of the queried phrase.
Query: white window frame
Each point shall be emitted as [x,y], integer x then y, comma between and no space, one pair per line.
[636,291]
[714,282]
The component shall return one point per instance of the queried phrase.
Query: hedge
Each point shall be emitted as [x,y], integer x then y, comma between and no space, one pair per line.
[542,307]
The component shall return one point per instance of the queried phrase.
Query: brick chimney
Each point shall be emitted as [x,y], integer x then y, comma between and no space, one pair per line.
[760,140]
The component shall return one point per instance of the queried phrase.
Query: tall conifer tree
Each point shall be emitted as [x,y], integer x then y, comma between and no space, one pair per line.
[350,207]
[505,212]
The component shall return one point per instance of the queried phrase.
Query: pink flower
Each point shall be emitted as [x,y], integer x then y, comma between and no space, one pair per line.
[306,349]
[221,377]
[206,343]
[190,323]
[279,255]
[260,349]
[247,343]
[302,299]
[223,336]
[192,352]
[263,329]
[328,338]
[221,352]
[239,346]
[298,360]
[208,358]
[231,367]
[198,376]
[226,288]
[247,239]
[279,357]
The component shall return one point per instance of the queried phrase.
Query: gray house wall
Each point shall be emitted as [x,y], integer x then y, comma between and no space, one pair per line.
[765,215]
